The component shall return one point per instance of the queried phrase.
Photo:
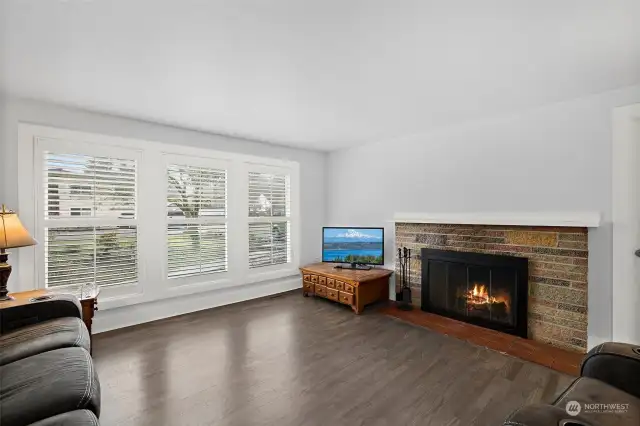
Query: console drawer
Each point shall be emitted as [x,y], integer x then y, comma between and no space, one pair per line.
[321,290]
[346,298]
[348,288]
[314,278]
[339,285]
[333,294]
[306,277]
[331,282]
[308,287]
[322,280]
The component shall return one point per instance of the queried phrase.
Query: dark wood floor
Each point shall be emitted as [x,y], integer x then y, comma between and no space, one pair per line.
[303,361]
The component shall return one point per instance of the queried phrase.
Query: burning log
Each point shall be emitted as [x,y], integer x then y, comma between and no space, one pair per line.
[478,302]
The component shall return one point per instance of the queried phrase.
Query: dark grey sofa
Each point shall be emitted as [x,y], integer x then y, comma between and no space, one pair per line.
[47,376]
[606,394]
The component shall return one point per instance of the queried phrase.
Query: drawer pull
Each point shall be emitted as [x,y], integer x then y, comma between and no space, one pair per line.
[332,294]
[346,298]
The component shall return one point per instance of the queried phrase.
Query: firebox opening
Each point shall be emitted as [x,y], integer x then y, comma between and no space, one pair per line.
[483,289]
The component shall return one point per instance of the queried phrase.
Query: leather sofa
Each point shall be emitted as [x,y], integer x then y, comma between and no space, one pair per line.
[607,393]
[47,374]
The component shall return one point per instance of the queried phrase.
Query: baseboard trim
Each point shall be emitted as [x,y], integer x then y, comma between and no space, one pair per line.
[127,316]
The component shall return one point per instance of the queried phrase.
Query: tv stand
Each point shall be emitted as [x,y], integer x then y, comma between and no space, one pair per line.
[358,266]
[355,288]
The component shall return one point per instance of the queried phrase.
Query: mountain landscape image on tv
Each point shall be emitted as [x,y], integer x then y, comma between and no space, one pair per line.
[353,245]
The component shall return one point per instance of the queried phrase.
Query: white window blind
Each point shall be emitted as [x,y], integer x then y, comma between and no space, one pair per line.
[105,255]
[269,219]
[90,220]
[96,186]
[196,213]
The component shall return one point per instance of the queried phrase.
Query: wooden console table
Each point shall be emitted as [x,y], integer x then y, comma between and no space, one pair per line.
[354,287]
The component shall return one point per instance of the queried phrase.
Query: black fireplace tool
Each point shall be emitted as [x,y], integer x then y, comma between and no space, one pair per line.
[404,295]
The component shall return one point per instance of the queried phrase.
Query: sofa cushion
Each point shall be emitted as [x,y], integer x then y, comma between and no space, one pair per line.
[72,418]
[45,336]
[46,385]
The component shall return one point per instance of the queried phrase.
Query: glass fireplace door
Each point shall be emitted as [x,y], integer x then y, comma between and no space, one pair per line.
[483,293]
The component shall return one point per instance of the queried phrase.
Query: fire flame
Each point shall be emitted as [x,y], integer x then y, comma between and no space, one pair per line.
[479,295]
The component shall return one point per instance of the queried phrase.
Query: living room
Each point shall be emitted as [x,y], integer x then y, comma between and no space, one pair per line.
[319,212]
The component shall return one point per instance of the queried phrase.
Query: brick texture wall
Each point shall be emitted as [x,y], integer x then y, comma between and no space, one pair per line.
[557,270]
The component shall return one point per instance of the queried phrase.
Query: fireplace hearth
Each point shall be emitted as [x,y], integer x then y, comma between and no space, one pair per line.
[483,289]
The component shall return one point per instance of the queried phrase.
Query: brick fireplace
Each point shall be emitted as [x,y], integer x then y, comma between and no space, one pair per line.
[557,265]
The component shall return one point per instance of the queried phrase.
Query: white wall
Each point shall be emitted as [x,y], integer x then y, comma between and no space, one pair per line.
[553,158]
[312,179]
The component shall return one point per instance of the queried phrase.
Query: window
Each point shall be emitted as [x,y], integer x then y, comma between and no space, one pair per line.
[269,219]
[87,199]
[196,214]
[149,221]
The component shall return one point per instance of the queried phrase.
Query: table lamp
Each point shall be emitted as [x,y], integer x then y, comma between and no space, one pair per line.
[12,235]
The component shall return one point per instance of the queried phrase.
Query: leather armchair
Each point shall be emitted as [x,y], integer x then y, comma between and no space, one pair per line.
[617,364]
[610,374]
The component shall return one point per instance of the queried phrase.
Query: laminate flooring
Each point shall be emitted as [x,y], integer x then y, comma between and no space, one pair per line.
[290,360]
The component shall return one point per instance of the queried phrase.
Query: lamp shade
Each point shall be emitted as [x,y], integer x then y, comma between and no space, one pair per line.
[12,232]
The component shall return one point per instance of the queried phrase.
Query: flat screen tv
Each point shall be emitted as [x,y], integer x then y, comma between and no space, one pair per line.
[363,246]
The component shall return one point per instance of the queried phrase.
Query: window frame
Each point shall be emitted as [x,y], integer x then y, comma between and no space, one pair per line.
[151,213]
[46,144]
[185,160]
[271,219]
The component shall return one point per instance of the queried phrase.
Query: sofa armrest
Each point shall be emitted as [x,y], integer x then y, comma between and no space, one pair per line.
[543,415]
[617,364]
[58,306]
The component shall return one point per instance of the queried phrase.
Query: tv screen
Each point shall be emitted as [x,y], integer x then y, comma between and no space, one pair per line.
[353,245]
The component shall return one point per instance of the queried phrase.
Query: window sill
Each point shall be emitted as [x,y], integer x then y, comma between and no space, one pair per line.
[272,273]
[107,303]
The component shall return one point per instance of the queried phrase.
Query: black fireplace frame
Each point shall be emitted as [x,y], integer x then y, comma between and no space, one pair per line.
[521,296]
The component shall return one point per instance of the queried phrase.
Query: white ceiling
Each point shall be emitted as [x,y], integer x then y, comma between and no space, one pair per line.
[321,74]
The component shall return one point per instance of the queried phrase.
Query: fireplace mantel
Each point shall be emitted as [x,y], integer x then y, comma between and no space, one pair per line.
[585,219]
